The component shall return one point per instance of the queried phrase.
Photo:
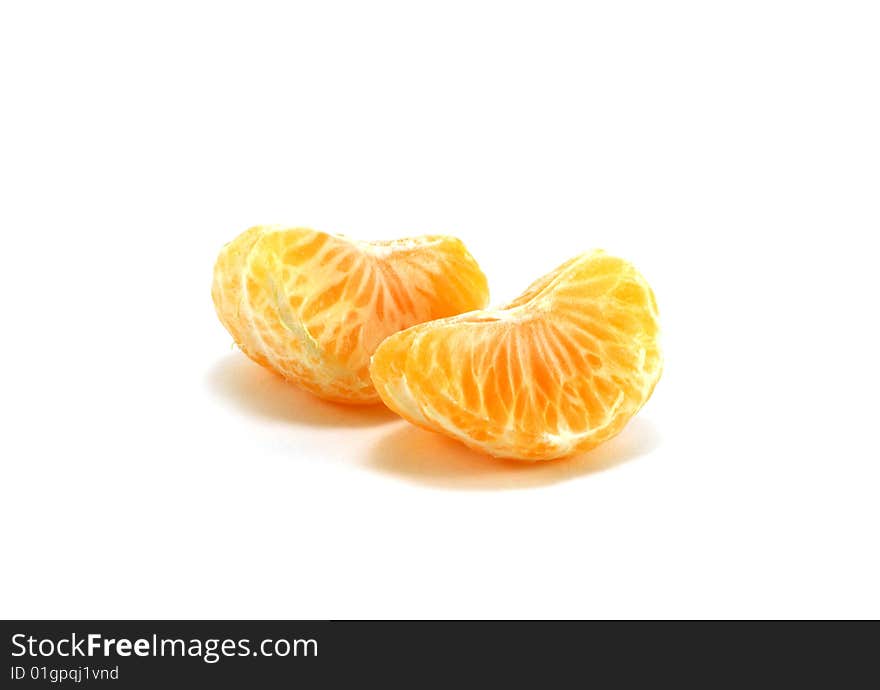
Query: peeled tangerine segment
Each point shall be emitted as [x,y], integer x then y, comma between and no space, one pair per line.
[557,371]
[313,307]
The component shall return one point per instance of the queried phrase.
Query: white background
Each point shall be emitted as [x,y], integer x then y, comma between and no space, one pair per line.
[730,150]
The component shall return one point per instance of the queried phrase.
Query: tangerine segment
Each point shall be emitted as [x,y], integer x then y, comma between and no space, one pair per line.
[226,292]
[557,371]
[313,307]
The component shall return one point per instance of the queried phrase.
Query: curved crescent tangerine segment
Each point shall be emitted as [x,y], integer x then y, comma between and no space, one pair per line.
[227,289]
[313,307]
[557,371]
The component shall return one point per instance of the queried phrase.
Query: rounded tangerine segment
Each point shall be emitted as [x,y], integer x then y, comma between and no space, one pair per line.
[315,306]
[227,288]
[557,371]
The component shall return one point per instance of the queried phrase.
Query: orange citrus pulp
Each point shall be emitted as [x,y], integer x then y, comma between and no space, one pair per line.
[313,307]
[557,371]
